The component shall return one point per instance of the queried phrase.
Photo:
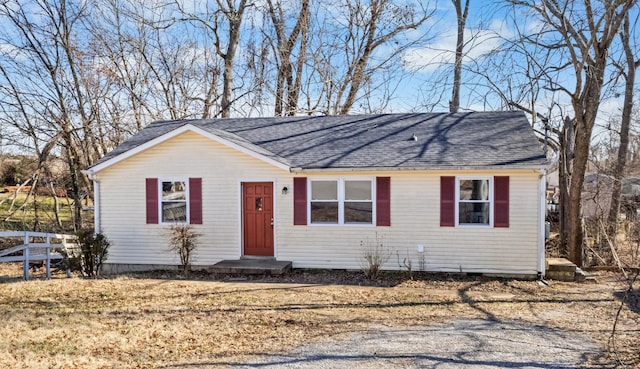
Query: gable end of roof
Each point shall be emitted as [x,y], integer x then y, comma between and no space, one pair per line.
[219,136]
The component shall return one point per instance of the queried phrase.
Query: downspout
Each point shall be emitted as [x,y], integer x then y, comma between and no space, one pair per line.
[542,210]
[96,200]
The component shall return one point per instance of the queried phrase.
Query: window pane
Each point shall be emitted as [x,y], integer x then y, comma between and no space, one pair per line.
[174,212]
[474,213]
[324,212]
[358,212]
[357,190]
[324,190]
[474,189]
[174,190]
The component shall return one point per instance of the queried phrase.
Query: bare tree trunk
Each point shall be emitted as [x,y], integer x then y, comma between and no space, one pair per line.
[234,16]
[34,183]
[623,149]
[294,89]
[574,207]
[586,107]
[564,177]
[284,49]
[36,210]
[56,204]
[15,197]
[461,16]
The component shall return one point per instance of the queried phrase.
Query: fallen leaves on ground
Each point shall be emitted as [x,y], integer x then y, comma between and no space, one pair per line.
[148,320]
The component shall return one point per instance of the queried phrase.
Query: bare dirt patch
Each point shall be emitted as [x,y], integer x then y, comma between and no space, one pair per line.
[152,320]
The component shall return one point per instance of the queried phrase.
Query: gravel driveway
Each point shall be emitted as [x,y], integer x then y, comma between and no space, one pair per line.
[462,344]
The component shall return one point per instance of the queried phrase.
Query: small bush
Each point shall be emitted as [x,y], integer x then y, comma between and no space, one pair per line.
[406,264]
[375,255]
[183,240]
[92,252]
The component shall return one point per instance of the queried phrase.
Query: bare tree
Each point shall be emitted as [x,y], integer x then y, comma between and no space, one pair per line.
[45,64]
[582,33]
[161,61]
[347,56]
[628,71]
[113,30]
[371,26]
[233,16]
[226,17]
[289,76]
[462,11]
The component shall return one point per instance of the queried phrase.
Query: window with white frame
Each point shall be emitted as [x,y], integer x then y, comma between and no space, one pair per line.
[173,201]
[324,202]
[341,201]
[358,203]
[474,201]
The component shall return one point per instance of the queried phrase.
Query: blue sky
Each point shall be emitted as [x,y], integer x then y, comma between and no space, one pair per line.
[488,22]
[421,79]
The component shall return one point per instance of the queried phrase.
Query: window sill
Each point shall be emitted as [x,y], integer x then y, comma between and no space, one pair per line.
[471,225]
[358,225]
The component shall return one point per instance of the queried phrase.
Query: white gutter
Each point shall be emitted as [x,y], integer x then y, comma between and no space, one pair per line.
[542,211]
[397,169]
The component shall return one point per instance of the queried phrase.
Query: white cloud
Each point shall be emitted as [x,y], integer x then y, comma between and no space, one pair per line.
[501,28]
[442,52]
[610,108]
[14,52]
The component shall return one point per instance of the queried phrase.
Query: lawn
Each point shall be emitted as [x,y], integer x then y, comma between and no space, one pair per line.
[145,321]
[16,215]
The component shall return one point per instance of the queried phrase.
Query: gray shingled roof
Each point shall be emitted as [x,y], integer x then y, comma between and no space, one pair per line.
[444,140]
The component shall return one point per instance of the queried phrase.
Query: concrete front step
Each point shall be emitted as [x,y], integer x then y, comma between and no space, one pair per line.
[561,269]
[267,266]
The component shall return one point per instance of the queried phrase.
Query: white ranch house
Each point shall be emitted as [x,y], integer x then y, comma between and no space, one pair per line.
[461,192]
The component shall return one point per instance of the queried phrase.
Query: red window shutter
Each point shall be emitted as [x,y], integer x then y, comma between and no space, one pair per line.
[152,200]
[501,201]
[195,200]
[300,201]
[383,201]
[447,201]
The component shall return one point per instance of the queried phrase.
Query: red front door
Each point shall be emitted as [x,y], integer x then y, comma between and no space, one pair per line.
[257,208]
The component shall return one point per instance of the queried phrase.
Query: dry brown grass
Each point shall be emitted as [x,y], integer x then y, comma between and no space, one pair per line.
[149,321]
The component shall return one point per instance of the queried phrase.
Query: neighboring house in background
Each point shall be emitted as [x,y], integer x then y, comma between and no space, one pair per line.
[596,196]
[462,192]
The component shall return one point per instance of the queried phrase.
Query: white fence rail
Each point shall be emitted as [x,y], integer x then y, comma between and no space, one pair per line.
[37,246]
